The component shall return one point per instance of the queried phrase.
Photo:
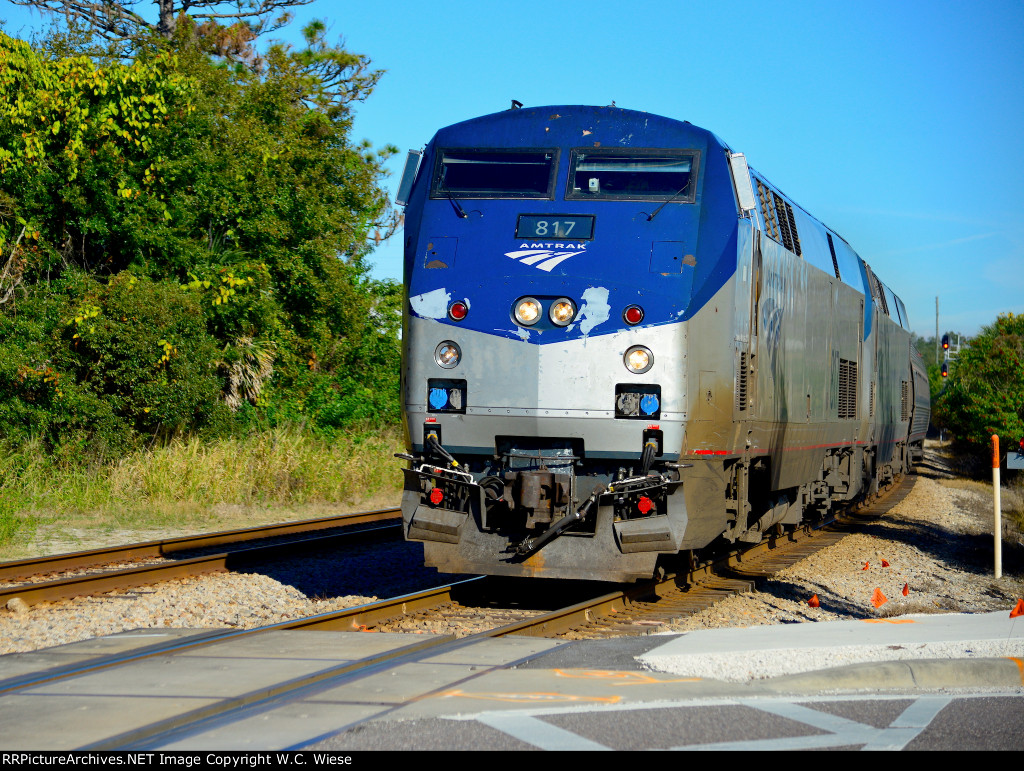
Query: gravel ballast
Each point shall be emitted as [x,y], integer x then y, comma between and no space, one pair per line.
[937,542]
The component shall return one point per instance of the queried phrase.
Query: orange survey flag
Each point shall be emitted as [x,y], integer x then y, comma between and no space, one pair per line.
[1018,609]
[878,599]
[906,589]
[814,602]
[885,563]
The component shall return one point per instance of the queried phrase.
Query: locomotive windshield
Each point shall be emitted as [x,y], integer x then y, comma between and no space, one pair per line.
[495,174]
[632,175]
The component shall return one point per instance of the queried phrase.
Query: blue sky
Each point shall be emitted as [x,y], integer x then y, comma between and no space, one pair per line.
[899,124]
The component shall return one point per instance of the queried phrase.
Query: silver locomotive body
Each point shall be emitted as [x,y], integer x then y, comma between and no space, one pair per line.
[724,365]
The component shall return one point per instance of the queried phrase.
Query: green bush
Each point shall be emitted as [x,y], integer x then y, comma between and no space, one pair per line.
[107,364]
[182,247]
[985,393]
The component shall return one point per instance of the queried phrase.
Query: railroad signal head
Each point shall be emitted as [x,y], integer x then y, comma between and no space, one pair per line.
[945,342]
[945,369]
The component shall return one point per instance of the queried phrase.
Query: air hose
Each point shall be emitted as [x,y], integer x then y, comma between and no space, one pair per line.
[435,445]
[532,545]
[647,458]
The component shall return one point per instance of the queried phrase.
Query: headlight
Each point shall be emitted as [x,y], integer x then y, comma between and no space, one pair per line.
[527,311]
[562,312]
[638,359]
[447,355]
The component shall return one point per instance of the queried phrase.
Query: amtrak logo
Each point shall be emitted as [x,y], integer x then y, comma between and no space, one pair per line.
[545,256]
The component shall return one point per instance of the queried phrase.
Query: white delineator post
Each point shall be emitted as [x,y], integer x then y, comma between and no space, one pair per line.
[997,532]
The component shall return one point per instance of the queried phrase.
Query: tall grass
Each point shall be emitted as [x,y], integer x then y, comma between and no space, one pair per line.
[270,469]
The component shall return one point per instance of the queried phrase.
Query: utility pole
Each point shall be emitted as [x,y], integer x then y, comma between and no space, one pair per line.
[936,328]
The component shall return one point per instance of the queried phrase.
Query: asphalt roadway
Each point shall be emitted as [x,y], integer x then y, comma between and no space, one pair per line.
[939,682]
[879,689]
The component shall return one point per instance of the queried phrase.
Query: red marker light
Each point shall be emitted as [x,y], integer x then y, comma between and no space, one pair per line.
[436,496]
[634,314]
[645,504]
[458,311]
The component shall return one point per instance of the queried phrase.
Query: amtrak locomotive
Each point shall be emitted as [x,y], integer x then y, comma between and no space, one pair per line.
[623,345]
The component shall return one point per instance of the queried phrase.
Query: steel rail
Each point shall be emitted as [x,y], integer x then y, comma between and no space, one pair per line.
[361,617]
[347,619]
[254,702]
[737,572]
[132,578]
[358,618]
[19,569]
[174,728]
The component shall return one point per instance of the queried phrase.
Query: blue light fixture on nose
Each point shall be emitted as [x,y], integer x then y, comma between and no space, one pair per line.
[438,397]
[649,404]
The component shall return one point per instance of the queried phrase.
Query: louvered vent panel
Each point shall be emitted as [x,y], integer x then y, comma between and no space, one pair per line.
[847,389]
[792,229]
[780,208]
[768,211]
[905,400]
[741,382]
[871,402]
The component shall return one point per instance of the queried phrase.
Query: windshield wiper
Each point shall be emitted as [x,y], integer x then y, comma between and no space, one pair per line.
[455,204]
[670,200]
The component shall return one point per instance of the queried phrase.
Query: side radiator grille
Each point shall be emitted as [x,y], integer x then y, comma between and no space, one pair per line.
[779,220]
[905,400]
[795,247]
[741,382]
[787,236]
[771,224]
[847,389]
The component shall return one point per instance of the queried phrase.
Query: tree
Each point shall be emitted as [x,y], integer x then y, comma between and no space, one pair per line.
[182,243]
[985,393]
[81,160]
[225,29]
[118,21]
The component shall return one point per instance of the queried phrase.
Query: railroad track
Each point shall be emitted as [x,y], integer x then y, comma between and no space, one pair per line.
[65,576]
[634,610]
[264,698]
[674,598]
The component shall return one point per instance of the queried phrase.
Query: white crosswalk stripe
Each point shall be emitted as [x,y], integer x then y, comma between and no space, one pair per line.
[526,726]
